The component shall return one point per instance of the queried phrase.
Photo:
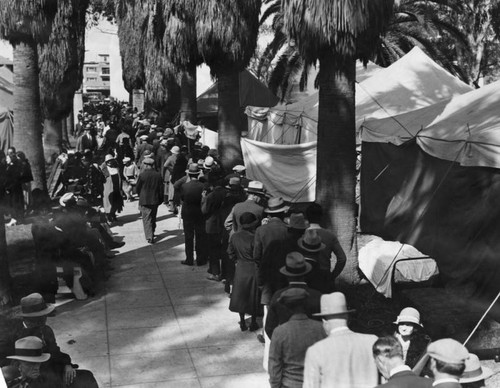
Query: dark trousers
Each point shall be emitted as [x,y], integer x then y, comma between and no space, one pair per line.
[214,243]
[194,230]
[149,213]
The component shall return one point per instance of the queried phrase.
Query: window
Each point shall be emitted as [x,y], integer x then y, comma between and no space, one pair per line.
[104,58]
[105,70]
[91,79]
[91,69]
[105,78]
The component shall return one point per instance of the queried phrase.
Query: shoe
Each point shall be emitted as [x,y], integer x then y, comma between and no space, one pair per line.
[115,244]
[214,278]
[243,326]
[261,339]
[254,326]
[185,262]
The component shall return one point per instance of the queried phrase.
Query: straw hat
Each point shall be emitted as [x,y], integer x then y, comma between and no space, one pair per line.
[474,371]
[67,199]
[296,265]
[297,221]
[256,187]
[175,150]
[409,315]
[108,157]
[33,305]
[148,161]
[448,350]
[239,168]
[276,205]
[30,349]
[126,159]
[311,241]
[193,169]
[333,304]
[208,163]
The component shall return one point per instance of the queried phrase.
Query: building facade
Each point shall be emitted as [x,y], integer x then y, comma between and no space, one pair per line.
[97,76]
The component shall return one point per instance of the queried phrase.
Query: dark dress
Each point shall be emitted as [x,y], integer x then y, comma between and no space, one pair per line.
[244,296]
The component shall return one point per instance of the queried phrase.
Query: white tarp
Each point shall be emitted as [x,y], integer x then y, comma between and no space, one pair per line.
[209,138]
[287,171]
[413,82]
[465,129]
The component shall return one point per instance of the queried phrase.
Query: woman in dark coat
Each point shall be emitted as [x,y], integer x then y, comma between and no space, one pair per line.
[244,295]
[112,200]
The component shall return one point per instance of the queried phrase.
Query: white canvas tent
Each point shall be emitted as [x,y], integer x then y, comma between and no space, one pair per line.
[413,82]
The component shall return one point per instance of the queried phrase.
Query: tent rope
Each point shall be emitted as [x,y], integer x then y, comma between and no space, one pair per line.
[482,319]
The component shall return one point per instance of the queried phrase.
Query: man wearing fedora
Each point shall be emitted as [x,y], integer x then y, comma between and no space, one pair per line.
[310,245]
[297,225]
[239,171]
[388,355]
[192,217]
[447,362]
[474,375]
[343,359]
[252,204]
[291,340]
[149,187]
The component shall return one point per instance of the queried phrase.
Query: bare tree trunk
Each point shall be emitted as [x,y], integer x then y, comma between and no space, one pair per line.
[336,158]
[67,129]
[188,109]
[5,279]
[52,139]
[28,123]
[229,119]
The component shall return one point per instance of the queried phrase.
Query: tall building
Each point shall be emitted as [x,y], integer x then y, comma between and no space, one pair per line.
[97,76]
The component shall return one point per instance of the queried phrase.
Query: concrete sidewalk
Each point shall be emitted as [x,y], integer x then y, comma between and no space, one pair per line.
[159,323]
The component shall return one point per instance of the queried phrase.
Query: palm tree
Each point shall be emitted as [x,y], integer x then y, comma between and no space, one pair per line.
[227,36]
[180,44]
[337,32]
[61,62]
[25,23]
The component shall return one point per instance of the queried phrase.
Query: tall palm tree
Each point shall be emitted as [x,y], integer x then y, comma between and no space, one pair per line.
[336,33]
[180,44]
[227,36]
[25,23]
[61,62]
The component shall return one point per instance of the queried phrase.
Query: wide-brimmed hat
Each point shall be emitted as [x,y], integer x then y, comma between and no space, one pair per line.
[126,159]
[311,241]
[175,150]
[248,220]
[148,161]
[409,315]
[29,349]
[67,199]
[33,305]
[193,169]
[234,183]
[208,163]
[256,187]
[108,157]
[448,350]
[276,205]
[239,168]
[474,371]
[293,294]
[333,304]
[297,221]
[296,265]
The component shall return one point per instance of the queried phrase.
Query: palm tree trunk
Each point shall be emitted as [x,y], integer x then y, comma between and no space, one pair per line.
[5,279]
[68,124]
[28,123]
[188,95]
[229,119]
[336,158]
[52,135]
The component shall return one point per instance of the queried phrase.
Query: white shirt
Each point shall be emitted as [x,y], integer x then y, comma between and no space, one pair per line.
[401,368]
[338,329]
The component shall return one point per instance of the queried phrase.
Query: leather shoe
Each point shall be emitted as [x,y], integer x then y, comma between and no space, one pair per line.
[185,262]
[254,326]
[261,339]
[243,326]
[115,244]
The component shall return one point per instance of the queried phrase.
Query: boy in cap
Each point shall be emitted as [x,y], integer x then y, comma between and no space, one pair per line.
[447,362]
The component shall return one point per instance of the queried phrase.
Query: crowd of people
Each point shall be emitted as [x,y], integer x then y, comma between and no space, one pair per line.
[274,261]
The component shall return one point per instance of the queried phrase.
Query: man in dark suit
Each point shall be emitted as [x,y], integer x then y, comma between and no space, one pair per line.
[192,217]
[447,362]
[86,141]
[388,355]
[150,190]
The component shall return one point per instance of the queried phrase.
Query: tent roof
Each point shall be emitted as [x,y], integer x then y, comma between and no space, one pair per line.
[252,92]
[413,82]
[465,128]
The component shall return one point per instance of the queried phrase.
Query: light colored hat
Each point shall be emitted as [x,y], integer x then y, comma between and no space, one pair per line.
[126,159]
[66,199]
[30,349]
[148,161]
[109,157]
[448,350]
[276,205]
[474,371]
[409,315]
[256,187]
[311,241]
[333,304]
[153,126]
[297,221]
[208,163]
[175,150]
[193,169]
[164,142]
[239,168]
[296,265]
[143,137]
[33,305]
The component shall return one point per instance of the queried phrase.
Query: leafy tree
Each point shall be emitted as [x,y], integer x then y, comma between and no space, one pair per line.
[337,32]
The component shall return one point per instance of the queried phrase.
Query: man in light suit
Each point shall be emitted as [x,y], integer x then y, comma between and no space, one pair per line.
[343,359]
[388,355]
[447,362]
